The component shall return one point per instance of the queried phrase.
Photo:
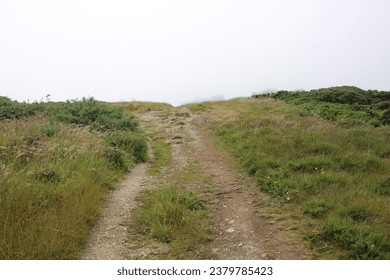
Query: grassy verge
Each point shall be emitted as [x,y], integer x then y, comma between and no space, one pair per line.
[337,176]
[54,176]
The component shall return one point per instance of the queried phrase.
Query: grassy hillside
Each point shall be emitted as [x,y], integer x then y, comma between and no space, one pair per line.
[57,164]
[337,176]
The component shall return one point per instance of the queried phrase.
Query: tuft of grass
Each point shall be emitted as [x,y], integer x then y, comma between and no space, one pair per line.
[355,241]
[316,207]
[124,149]
[356,212]
[173,215]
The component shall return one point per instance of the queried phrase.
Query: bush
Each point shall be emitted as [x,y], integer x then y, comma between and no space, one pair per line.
[96,114]
[344,105]
[383,105]
[385,119]
[15,110]
[343,95]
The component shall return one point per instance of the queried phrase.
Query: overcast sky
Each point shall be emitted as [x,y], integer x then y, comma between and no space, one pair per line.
[178,51]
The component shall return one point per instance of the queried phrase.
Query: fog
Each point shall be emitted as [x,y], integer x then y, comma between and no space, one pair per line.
[181,51]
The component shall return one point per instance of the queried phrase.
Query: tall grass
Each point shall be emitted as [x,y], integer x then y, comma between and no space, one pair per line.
[338,176]
[53,178]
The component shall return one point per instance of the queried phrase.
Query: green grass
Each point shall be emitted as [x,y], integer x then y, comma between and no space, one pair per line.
[54,177]
[197,107]
[162,156]
[338,176]
[137,107]
[173,215]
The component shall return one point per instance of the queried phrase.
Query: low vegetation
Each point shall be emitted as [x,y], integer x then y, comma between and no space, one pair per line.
[57,164]
[173,215]
[324,152]
[11,109]
[344,105]
[337,175]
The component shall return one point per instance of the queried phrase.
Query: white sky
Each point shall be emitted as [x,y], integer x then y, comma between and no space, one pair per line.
[177,50]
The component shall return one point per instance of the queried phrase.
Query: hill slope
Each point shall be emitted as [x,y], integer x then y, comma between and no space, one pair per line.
[337,177]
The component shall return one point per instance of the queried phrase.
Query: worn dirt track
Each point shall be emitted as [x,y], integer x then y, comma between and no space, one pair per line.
[243,226]
[108,238]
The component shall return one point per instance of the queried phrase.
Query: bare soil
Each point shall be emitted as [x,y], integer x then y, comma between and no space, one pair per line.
[246,223]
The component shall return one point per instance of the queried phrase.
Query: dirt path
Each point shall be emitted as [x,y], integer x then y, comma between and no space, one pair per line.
[244,227]
[108,238]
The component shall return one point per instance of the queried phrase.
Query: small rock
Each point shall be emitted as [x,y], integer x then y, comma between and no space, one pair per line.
[240,245]
[265,255]
[230,230]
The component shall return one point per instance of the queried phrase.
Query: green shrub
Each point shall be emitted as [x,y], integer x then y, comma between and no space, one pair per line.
[385,119]
[343,95]
[383,105]
[88,111]
[344,105]
[12,109]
